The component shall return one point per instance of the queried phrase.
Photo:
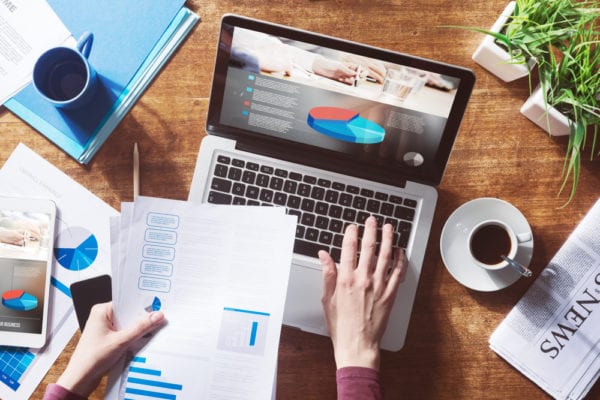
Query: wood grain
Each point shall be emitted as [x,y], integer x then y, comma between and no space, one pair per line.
[498,153]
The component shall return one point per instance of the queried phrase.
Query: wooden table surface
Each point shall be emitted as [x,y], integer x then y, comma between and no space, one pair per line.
[498,153]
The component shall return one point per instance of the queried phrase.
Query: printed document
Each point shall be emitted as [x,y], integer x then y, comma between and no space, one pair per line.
[27,29]
[82,250]
[220,275]
[552,335]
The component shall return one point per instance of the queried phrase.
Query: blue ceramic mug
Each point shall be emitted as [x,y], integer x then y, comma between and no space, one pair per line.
[64,76]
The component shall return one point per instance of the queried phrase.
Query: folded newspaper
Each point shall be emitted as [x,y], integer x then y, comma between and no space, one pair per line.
[552,335]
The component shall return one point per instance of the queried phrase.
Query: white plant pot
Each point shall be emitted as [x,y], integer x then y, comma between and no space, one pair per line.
[546,117]
[497,60]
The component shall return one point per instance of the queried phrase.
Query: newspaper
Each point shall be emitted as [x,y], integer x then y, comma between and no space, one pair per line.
[552,335]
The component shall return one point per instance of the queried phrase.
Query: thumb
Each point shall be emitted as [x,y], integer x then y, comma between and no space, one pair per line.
[144,325]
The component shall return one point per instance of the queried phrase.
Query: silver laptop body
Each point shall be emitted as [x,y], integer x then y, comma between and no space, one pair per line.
[271,131]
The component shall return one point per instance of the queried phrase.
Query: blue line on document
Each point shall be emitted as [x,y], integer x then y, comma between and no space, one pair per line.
[147,393]
[253,333]
[141,360]
[148,382]
[245,311]
[60,286]
[145,371]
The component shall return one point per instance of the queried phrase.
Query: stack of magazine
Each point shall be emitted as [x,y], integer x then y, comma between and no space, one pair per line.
[552,335]
[132,41]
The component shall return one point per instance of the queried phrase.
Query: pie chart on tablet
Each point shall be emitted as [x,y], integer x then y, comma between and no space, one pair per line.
[344,124]
[19,300]
[76,248]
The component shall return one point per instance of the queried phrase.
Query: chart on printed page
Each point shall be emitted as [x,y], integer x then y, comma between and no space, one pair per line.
[76,248]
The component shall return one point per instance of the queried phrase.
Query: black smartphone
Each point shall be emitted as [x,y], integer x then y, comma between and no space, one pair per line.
[88,292]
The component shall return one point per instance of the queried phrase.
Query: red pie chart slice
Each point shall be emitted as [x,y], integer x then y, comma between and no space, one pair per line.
[19,300]
[344,124]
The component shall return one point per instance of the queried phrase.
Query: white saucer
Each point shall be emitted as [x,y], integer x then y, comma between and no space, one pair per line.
[454,244]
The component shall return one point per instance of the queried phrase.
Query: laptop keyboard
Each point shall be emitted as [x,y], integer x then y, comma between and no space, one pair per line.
[324,207]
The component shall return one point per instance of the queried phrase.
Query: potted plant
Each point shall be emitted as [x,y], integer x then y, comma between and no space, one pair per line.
[523,34]
[571,84]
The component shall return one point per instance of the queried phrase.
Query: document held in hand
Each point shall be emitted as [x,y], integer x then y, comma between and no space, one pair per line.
[552,335]
[220,275]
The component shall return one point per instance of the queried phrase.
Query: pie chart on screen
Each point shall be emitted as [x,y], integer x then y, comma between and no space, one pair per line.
[344,124]
[19,300]
[76,248]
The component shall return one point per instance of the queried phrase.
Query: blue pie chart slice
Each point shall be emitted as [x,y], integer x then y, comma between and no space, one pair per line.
[346,125]
[76,249]
[19,300]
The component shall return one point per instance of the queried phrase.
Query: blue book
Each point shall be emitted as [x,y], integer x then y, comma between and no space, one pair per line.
[131,42]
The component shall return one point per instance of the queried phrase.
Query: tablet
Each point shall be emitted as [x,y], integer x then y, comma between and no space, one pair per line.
[26,242]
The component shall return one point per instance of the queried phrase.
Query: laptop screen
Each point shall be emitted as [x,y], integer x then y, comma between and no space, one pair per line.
[323,99]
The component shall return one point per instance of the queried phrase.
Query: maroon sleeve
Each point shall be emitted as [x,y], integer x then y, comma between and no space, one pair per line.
[57,392]
[358,383]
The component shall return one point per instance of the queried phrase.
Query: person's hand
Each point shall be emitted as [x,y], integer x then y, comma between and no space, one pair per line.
[335,70]
[101,345]
[16,237]
[357,298]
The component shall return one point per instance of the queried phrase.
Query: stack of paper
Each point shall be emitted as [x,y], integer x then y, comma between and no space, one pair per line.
[29,27]
[82,225]
[220,275]
[132,41]
[552,335]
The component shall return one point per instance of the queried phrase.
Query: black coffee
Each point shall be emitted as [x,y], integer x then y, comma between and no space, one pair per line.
[489,243]
[66,80]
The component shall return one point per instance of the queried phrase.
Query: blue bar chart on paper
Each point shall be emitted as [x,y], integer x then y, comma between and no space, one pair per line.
[145,381]
[243,331]
[14,362]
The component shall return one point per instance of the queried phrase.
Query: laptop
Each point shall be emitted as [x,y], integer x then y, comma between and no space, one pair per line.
[334,131]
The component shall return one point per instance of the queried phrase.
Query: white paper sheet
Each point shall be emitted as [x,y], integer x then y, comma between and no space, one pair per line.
[220,274]
[27,29]
[82,244]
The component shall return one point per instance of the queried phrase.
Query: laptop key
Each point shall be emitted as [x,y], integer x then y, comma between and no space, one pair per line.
[295,176]
[252,166]
[262,180]
[309,179]
[235,174]
[220,185]
[387,209]
[335,225]
[311,234]
[304,190]
[266,169]
[308,205]
[410,203]
[219,198]
[239,201]
[325,237]
[336,254]
[300,231]
[324,183]
[373,206]
[290,186]
[280,198]
[359,202]
[321,208]
[345,200]
[367,193]
[352,189]
[335,211]
[276,183]
[337,240]
[282,173]
[349,214]
[317,193]
[238,189]
[220,170]
[238,163]
[362,217]
[381,196]
[252,192]
[266,195]
[322,222]
[331,196]
[294,201]
[338,186]
[248,177]
[224,159]
[308,248]
[396,199]
[253,203]
[404,213]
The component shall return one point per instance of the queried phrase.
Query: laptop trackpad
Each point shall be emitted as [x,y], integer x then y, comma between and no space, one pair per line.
[303,302]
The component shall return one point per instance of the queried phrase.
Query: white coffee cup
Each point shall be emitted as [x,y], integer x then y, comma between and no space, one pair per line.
[492,239]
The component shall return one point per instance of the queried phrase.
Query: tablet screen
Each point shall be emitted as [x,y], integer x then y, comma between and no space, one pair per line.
[24,253]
